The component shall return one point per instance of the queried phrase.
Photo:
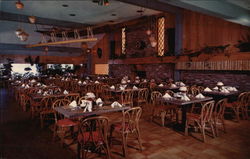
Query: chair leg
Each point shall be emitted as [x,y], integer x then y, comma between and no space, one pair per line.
[223,125]
[203,133]
[212,127]
[124,144]
[163,115]
[139,139]
[186,128]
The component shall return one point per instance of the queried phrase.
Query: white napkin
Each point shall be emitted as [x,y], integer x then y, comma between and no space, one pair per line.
[173,86]
[65,92]
[45,93]
[134,87]
[90,95]
[62,79]
[185,98]
[216,88]
[123,82]
[137,77]
[39,91]
[33,81]
[235,89]
[38,84]
[137,81]
[182,84]
[166,96]
[27,86]
[220,84]
[79,82]
[99,102]
[116,104]
[97,82]
[73,104]
[87,78]
[122,88]
[84,82]
[145,80]
[23,85]
[128,81]
[207,89]
[87,104]
[160,85]
[200,96]
[183,89]
[225,91]
[112,87]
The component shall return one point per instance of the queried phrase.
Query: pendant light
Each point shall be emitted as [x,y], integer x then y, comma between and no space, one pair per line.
[19,5]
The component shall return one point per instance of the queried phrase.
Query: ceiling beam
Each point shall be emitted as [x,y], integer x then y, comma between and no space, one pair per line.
[39,20]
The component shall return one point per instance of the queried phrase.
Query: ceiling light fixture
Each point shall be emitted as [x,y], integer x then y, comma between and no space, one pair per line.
[19,5]
[103,2]
[32,19]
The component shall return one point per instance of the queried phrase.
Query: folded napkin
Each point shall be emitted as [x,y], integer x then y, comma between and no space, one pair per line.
[166,96]
[182,84]
[39,91]
[65,92]
[45,93]
[134,87]
[161,85]
[84,82]
[183,89]
[123,82]
[87,104]
[122,88]
[137,77]
[225,91]
[216,88]
[145,80]
[90,95]
[99,102]
[137,81]
[27,86]
[112,87]
[220,84]
[97,82]
[79,82]
[33,81]
[235,89]
[98,77]
[38,84]
[23,85]
[62,79]
[173,86]
[87,78]
[200,96]
[73,104]
[207,89]
[185,98]
[128,81]
[116,104]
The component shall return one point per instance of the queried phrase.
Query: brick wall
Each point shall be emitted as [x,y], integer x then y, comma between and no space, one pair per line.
[210,78]
[156,71]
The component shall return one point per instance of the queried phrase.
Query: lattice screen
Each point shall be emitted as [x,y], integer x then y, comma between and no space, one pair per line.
[123,40]
[161,36]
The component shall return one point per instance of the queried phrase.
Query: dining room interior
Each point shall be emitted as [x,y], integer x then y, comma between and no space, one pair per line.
[135,79]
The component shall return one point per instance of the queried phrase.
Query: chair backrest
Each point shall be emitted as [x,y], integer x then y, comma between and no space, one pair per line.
[93,130]
[194,90]
[207,111]
[60,103]
[143,94]
[72,96]
[243,99]
[219,108]
[143,85]
[47,102]
[130,120]
[154,96]
[127,97]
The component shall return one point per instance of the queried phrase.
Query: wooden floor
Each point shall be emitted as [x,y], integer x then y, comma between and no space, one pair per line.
[22,138]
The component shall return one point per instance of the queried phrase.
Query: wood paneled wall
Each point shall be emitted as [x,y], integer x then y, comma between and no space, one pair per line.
[200,30]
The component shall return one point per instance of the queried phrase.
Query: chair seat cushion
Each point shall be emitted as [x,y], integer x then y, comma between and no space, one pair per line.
[88,137]
[66,122]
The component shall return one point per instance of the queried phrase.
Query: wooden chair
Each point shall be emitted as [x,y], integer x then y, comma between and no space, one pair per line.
[246,105]
[38,105]
[47,113]
[202,120]
[237,107]
[158,109]
[127,98]
[218,115]
[72,96]
[129,125]
[63,125]
[24,100]
[142,97]
[93,136]
[107,94]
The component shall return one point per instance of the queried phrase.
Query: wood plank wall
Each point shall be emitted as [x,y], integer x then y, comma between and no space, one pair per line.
[200,30]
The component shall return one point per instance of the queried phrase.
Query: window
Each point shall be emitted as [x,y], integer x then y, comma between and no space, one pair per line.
[19,68]
[161,36]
